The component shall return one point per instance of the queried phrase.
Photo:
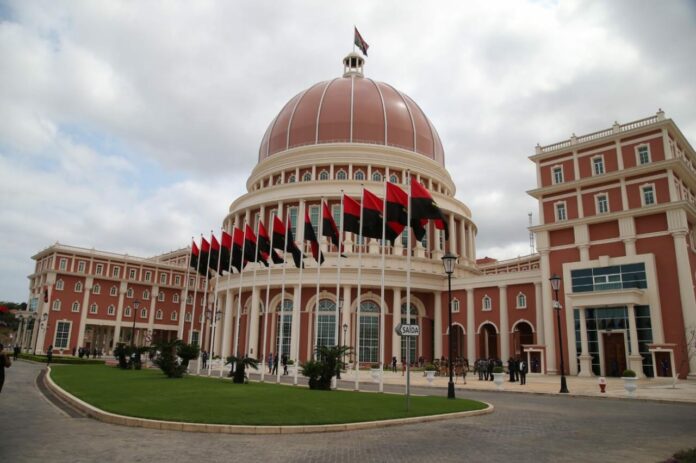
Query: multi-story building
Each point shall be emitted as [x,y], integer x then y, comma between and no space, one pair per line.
[616,211]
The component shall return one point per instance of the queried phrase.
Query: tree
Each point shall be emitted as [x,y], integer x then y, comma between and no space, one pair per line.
[240,365]
[322,370]
[173,357]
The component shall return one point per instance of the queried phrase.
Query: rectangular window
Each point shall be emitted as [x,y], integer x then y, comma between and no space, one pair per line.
[598,166]
[648,195]
[148,275]
[116,272]
[627,276]
[177,280]
[111,310]
[163,278]
[561,212]
[602,204]
[62,335]
[131,274]
[63,264]
[99,269]
[643,155]
[369,338]
[314,217]
[293,220]
[194,337]
[557,175]
[160,296]
[81,266]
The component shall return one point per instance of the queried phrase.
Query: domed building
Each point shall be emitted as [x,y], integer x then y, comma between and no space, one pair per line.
[609,288]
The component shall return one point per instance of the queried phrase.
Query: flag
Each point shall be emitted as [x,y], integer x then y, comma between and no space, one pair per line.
[251,253]
[372,215]
[397,212]
[265,246]
[237,245]
[203,256]
[4,309]
[424,207]
[360,43]
[351,215]
[329,228]
[214,253]
[225,251]
[193,263]
[281,235]
[310,236]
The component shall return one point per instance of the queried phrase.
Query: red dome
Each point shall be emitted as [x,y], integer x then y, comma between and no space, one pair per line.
[352,109]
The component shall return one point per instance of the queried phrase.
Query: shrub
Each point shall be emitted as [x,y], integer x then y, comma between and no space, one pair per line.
[629,374]
[172,357]
[430,367]
[322,370]
[61,360]
[498,370]
[240,365]
[686,456]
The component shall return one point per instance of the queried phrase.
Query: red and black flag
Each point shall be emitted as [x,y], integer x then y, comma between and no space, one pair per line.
[225,251]
[424,207]
[265,246]
[329,228]
[397,211]
[372,215]
[360,42]
[310,236]
[237,246]
[251,252]
[193,262]
[214,253]
[203,256]
[283,239]
[351,215]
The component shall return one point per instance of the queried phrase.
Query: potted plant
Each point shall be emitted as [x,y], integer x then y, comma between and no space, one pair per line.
[430,370]
[375,372]
[498,377]
[629,379]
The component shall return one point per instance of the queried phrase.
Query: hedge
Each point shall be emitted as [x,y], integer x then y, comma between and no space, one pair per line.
[61,359]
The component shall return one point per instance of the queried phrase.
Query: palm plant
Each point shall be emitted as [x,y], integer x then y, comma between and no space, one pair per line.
[240,364]
[322,370]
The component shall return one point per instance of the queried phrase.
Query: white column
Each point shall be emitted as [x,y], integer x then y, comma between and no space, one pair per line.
[227,325]
[585,357]
[635,361]
[182,314]
[396,319]
[253,337]
[452,234]
[462,241]
[87,288]
[504,324]
[470,240]
[153,308]
[119,312]
[547,308]
[539,314]
[295,331]
[470,328]
[686,290]
[437,322]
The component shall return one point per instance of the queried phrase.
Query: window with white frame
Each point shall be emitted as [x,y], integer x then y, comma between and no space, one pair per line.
[146,294]
[116,272]
[131,274]
[376,176]
[598,165]
[293,220]
[557,174]
[191,282]
[307,176]
[189,299]
[324,175]
[455,305]
[129,293]
[648,194]
[96,289]
[78,287]
[560,209]
[99,269]
[394,178]
[75,306]
[173,317]
[602,203]
[111,310]
[148,276]
[292,178]
[63,264]
[341,175]
[62,335]
[359,175]
[56,304]
[59,285]
[486,303]
[177,280]
[81,265]
[642,154]
[93,308]
[336,213]
[175,298]
[113,291]
[143,313]
[521,301]
[314,217]
[163,278]
[159,314]
[187,317]
[160,296]
[127,312]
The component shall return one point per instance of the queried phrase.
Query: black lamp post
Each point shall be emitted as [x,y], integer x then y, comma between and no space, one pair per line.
[448,261]
[556,285]
[345,330]
[136,304]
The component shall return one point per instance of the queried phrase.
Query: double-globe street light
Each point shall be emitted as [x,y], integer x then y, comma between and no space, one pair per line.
[448,261]
[556,285]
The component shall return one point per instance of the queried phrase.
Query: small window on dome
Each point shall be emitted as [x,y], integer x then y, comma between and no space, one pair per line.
[359,175]
[291,179]
[341,175]
[376,177]
[324,175]
[393,178]
[307,177]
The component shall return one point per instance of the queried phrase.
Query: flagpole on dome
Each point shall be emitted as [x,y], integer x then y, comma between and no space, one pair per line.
[357,318]
[381,292]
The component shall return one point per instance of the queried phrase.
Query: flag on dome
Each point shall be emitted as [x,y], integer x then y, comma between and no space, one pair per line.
[310,236]
[265,246]
[237,246]
[329,228]
[214,253]
[372,215]
[193,262]
[251,252]
[225,251]
[203,256]
[397,211]
[283,235]
[423,207]
[360,42]
[351,215]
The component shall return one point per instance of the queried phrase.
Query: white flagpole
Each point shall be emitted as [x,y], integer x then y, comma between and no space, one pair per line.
[265,310]
[298,310]
[182,321]
[213,323]
[338,281]
[195,294]
[381,293]
[408,295]
[357,317]
[239,299]
[316,305]
[279,354]
[205,305]
[253,287]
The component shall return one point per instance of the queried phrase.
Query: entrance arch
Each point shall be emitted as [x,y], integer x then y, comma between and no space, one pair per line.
[458,341]
[488,341]
[522,334]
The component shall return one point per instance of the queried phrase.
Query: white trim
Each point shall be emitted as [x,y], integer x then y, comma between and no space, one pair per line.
[517,300]
[56,305]
[642,189]
[597,203]
[522,320]
[603,166]
[55,334]
[487,322]
[484,299]
[553,174]
[636,150]
[565,211]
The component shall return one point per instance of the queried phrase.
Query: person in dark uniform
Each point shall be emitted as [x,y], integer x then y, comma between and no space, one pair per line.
[511,369]
[523,372]
[285,364]
[489,369]
[49,354]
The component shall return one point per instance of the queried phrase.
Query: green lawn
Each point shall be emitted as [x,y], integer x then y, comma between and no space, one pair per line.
[150,394]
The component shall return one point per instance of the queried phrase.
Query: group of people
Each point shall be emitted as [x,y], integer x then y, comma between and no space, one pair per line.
[517,369]
[86,352]
[273,363]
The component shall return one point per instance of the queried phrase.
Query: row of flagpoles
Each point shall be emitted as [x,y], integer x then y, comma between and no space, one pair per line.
[365,218]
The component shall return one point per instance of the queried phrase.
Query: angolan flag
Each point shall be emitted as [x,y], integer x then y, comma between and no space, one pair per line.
[203,256]
[397,212]
[265,246]
[193,262]
[311,236]
[351,215]
[214,253]
[372,216]
[360,42]
[237,246]
[424,208]
[283,239]
[329,228]
[251,253]
[225,251]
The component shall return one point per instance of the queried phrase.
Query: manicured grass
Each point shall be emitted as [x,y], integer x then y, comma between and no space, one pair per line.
[149,394]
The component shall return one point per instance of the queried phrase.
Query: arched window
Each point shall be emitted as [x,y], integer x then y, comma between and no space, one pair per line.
[96,289]
[455,305]
[113,291]
[324,175]
[369,332]
[292,179]
[409,343]
[75,306]
[160,296]
[341,175]
[359,175]
[394,178]
[129,293]
[521,301]
[173,317]
[146,294]
[127,312]
[175,298]
[94,308]
[486,303]
[78,287]
[326,323]
[376,177]
[159,314]
[59,285]
[56,304]
[111,310]
[307,177]
[187,317]
[143,313]
[284,325]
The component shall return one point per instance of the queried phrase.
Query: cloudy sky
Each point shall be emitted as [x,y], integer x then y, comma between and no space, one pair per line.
[131,126]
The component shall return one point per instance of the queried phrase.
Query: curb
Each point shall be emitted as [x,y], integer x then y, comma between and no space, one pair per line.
[112,418]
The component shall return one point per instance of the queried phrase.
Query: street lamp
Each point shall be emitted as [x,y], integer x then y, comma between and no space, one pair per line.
[136,304]
[448,261]
[555,285]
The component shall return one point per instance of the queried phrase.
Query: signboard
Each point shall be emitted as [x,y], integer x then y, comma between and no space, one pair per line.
[407,330]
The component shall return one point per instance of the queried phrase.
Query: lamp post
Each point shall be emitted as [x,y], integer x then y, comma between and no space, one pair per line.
[555,285]
[345,329]
[136,304]
[448,261]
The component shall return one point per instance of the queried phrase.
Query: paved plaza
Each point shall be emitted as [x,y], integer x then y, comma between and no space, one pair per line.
[524,427]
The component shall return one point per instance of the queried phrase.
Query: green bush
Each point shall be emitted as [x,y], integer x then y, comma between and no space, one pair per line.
[628,374]
[375,366]
[686,456]
[61,360]
[168,354]
[322,370]
[498,370]
[240,366]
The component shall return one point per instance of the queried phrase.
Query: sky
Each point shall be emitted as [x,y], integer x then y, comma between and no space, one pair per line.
[132,126]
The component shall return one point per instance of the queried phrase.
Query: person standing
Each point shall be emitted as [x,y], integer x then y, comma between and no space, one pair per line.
[270,362]
[5,362]
[275,366]
[17,350]
[523,372]
[393,364]
[285,364]
[49,354]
